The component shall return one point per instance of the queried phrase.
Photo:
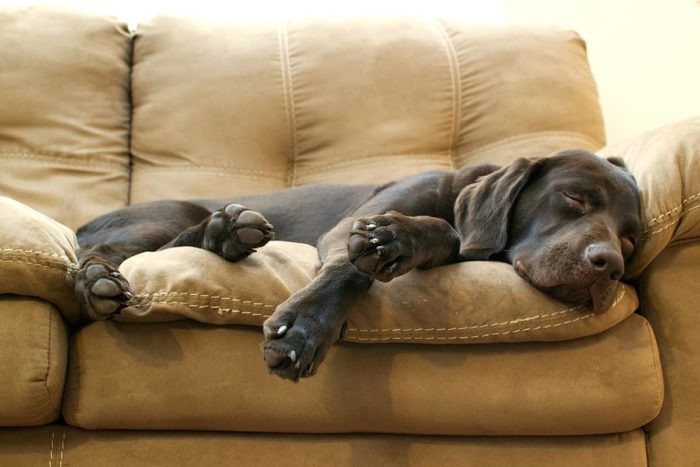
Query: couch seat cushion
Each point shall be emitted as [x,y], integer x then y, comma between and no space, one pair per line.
[187,375]
[33,356]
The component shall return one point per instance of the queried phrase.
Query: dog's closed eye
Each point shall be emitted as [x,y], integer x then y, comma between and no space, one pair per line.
[575,202]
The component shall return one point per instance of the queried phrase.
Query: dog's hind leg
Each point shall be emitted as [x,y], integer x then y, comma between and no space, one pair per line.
[110,239]
[99,285]
[232,232]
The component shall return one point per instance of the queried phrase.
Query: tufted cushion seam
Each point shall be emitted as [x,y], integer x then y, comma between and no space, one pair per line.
[62,159]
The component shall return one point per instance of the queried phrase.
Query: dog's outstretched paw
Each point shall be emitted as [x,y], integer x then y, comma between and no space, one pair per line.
[102,290]
[235,231]
[379,247]
[296,343]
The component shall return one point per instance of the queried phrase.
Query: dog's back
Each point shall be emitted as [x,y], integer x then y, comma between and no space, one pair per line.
[303,213]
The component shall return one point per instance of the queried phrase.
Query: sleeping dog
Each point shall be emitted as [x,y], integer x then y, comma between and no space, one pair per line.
[567,223]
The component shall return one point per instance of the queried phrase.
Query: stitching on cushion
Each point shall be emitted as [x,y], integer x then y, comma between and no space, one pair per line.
[217,167]
[61,268]
[34,252]
[223,310]
[220,309]
[48,359]
[489,334]
[656,220]
[455,77]
[38,258]
[671,223]
[361,160]
[512,139]
[216,173]
[288,93]
[63,446]
[212,297]
[49,158]
[51,450]
[463,328]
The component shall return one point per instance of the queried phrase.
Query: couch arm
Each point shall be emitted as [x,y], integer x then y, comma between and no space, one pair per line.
[669,298]
[33,358]
[666,163]
[37,257]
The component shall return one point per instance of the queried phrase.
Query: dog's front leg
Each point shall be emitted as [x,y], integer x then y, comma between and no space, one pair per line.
[299,333]
[389,245]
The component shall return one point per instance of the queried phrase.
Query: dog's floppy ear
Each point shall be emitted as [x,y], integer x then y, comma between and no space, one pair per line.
[482,209]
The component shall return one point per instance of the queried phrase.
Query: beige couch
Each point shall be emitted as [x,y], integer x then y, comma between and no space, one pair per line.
[93,118]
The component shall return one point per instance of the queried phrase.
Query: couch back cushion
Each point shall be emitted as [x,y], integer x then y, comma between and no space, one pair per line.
[227,108]
[64,112]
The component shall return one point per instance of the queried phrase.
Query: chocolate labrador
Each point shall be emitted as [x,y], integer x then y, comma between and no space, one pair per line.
[567,223]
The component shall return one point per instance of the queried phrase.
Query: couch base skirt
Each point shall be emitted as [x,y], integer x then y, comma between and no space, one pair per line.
[60,445]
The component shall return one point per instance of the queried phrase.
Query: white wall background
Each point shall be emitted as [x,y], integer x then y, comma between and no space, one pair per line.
[645,54]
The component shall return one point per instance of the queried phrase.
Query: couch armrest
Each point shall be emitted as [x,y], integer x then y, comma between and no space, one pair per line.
[33,358]
[669,298]
[666,164]
[37,257]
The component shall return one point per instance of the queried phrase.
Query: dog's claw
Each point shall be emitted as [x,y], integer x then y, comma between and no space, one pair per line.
[281,330]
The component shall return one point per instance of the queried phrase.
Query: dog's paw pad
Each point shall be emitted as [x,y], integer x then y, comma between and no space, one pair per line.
[102,290]
[105,308]
[216,226]
[233,210]
[251,218]
[235,231]
[105,288]
[250,236]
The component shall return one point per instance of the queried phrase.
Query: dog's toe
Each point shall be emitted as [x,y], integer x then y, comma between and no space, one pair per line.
[102,290]
[235,231]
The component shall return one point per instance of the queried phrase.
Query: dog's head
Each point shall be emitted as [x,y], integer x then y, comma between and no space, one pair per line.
[567,223]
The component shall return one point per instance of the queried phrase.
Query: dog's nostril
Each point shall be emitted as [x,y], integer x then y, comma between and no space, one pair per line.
[605,259]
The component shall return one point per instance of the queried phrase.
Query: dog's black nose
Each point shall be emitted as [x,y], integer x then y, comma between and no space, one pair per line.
[606,260]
